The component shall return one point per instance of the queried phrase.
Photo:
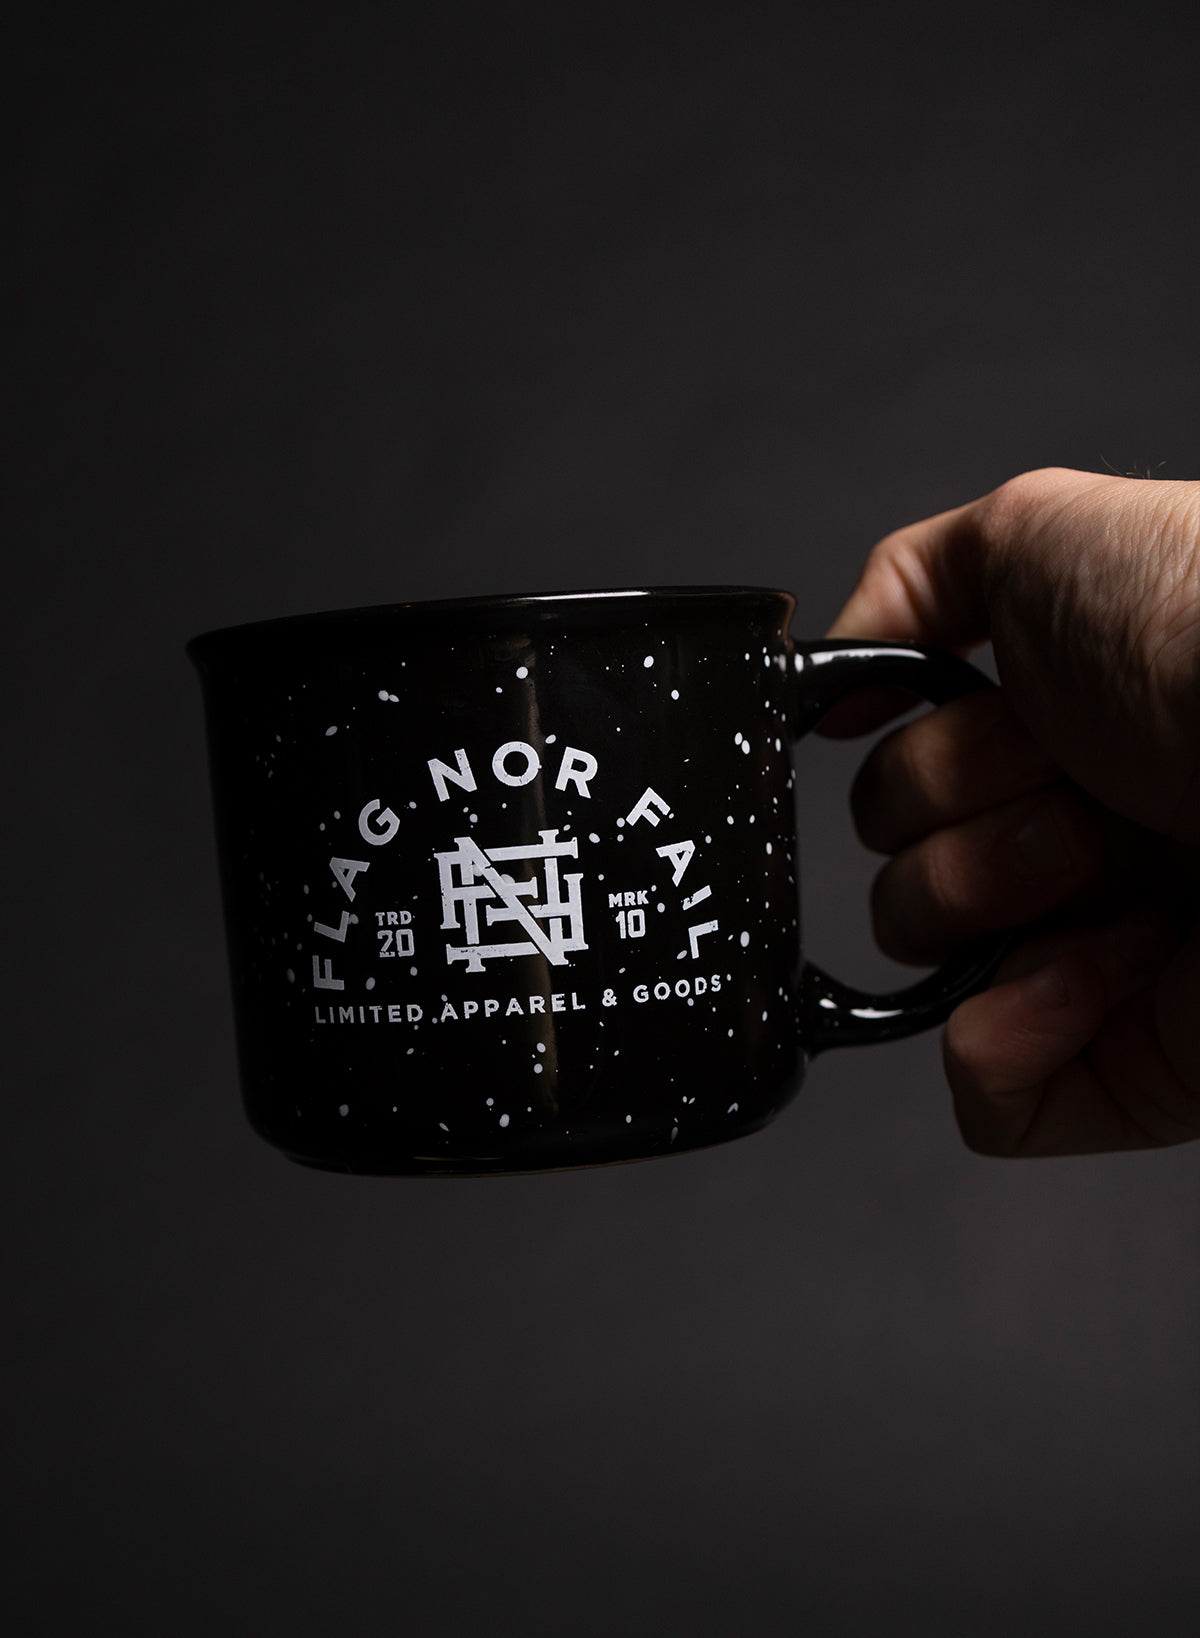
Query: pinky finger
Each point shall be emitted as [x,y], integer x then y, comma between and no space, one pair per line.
[1003,1047]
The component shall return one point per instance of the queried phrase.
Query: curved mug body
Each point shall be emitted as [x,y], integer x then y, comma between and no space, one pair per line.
[510,883]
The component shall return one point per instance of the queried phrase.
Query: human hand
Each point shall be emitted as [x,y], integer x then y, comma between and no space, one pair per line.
[1069,798]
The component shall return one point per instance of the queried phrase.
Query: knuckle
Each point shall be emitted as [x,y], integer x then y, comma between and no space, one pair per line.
[1004,513]
[1013,513]
[1029,488]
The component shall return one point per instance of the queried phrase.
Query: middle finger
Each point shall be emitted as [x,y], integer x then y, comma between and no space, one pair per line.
[999,869]
[959,760]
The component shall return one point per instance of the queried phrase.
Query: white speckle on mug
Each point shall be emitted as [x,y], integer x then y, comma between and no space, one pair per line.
[732,1110]
[541,1046]
[550,738]
[629,1120]
[332,730]
[291,977]
[737,739]
[648,661]
[370,983]
[383,693]
[489,1102]
[504,1120]
[343,1108]
[745,940]
[768,849]
[522,671]
[445,1128]
[674,693]
[537,1069]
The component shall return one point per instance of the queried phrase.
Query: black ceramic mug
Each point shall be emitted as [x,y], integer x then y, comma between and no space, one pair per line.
[510,883]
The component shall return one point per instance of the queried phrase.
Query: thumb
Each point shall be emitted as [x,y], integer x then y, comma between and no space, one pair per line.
[922,584]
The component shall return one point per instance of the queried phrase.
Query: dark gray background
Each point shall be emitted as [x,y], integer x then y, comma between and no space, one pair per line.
[333,309]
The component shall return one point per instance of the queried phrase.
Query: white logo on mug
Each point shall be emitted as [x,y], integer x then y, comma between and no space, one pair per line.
[552,924]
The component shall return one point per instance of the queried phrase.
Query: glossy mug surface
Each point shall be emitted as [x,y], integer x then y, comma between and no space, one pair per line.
[510,883]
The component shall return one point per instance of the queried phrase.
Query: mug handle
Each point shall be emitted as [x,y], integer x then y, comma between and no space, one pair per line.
[834,1014]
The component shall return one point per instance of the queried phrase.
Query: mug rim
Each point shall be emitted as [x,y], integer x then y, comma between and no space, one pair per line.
[417,613]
